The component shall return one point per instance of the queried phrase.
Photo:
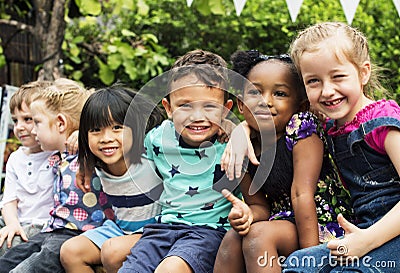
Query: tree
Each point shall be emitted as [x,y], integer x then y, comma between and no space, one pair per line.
[133,41]
[47,30]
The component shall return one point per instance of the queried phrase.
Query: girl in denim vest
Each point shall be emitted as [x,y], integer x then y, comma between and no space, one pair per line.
[364,139]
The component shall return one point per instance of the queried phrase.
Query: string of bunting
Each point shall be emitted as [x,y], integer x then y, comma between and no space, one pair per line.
[349,7]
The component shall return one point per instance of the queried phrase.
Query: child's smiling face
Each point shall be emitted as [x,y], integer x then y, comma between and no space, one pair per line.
[197,110]
[271,99]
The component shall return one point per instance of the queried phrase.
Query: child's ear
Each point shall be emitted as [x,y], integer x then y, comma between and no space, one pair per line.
[62,123]
[167,107]
[239,102]
[227,107]
[365,72]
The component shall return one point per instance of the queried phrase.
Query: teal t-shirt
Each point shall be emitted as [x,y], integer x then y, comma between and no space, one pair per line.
[191,176]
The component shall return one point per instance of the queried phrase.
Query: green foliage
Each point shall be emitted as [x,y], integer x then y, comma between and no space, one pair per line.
[108,47]
[136,40]
[139,39]
[2,58]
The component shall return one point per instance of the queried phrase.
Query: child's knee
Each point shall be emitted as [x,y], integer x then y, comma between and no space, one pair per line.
[109,255]
[68,252]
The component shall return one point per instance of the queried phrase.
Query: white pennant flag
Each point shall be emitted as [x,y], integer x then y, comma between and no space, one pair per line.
[397,5]
[294,8]
[239,5]
[189,2]
[349,8]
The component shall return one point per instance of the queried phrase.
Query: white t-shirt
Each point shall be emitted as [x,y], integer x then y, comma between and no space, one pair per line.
[29,180]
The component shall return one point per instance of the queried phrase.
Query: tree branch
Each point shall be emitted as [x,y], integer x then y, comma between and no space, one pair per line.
[17,24]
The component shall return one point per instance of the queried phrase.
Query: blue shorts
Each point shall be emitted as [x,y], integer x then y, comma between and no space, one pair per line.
[99,235]
[196,245]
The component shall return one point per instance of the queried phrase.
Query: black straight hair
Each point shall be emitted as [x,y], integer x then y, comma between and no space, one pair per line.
[116,104]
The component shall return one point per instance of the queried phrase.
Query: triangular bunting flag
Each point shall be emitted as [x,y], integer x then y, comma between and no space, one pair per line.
[189,2]
[397,5]
[294,8]
[349,8]
[239,5]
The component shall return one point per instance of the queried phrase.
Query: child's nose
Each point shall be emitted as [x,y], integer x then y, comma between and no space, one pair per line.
[19,126]
[107,136]
[197,114]
[327,90]
[266,100]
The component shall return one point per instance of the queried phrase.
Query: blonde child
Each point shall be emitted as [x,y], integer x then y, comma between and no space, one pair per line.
[27,197]
[113,124]
[56,112]
[364,139]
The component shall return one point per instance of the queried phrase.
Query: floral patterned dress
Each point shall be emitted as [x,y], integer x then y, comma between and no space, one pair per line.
[331,197]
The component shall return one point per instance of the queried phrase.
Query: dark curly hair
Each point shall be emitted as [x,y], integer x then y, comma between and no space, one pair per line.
[244,61]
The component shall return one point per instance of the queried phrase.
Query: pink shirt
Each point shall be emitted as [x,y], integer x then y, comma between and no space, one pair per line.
[375,139]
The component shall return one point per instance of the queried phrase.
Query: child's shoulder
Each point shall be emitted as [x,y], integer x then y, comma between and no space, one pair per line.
[303,123]
[165,127]
[382,108]
[300,126]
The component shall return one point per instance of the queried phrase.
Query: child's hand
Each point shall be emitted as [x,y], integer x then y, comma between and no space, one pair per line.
[8,232]
[354,243]
[240,216]
[71,144]
[236,150]
[83,180]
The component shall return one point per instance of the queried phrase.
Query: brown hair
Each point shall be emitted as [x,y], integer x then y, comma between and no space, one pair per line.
[208,67]
[25,94]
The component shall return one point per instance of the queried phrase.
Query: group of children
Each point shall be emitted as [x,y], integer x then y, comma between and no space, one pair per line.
[154,201]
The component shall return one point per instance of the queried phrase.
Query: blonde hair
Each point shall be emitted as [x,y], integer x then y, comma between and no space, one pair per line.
[66,97]
[25,94]
[348,42]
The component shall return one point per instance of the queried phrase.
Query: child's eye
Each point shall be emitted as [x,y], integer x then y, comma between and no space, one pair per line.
[118,127]
[280,94]
[94,130]
[28,119]
[339,76]
[253,92]
[310,81]
[185,105]
[210,106]
[14,120]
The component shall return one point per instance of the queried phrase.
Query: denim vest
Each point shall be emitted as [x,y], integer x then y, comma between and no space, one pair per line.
[371,178]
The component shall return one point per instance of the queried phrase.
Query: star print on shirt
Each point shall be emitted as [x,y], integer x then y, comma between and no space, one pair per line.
[201,154]
[156,150]
[192,191]
[174,170]
[223,220]
[208,206]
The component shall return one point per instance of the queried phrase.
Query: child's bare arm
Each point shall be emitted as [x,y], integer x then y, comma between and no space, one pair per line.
[13,226]
[307,163]
[236,150]
[71,145]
